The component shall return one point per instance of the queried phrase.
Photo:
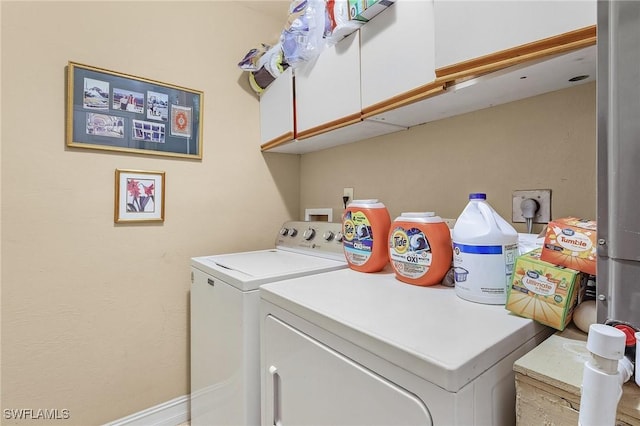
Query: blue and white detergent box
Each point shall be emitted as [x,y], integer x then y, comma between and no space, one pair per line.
[364,10]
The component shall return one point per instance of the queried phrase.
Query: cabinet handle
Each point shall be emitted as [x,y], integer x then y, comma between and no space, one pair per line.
[275,378]
[211,282]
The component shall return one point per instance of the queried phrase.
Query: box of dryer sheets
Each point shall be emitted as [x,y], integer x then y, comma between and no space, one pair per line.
[571,242]
[363,10]
[543,291]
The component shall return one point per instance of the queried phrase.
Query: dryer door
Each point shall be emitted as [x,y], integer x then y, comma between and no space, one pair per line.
[308,383]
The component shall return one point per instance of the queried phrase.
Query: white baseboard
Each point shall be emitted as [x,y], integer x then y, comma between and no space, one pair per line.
[170,413]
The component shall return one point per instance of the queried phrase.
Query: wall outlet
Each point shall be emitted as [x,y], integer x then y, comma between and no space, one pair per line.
[542,196]
[348,192]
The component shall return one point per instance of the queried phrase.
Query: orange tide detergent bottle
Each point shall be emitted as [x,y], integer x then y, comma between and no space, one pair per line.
[365,228]
[420,248]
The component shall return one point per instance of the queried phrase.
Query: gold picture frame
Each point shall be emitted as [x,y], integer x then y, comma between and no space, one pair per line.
[109,110]
[139,196]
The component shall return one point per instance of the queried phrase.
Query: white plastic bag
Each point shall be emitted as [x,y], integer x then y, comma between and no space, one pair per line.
[303,37]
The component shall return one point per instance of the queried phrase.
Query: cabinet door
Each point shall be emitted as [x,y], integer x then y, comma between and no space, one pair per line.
[397,51]
[308,383]
[328,89]
[276,111]
[499,87]
[466,30]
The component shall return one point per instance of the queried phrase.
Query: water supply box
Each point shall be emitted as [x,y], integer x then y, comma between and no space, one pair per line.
[364,10]
[571,242]
[544,292]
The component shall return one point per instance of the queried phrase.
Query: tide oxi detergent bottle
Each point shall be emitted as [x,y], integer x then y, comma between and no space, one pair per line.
[365,228]
[485,247]
[420,248]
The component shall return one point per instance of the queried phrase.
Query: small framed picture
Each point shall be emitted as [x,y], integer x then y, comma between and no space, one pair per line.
[139,196]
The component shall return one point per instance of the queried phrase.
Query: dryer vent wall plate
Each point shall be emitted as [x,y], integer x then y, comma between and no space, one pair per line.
[318,215]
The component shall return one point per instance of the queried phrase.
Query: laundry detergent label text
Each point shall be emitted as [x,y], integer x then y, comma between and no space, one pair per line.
[574,241]
[539,284]
[358,238]
[410,252]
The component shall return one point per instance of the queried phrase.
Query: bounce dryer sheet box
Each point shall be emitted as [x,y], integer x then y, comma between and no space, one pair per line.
[571,242]
[543,291]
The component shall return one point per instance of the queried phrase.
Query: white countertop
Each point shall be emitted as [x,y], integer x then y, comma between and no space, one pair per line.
[558,361]
[427,330]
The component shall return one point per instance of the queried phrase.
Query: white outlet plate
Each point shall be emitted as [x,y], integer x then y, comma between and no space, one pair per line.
[348,192]
[542,196]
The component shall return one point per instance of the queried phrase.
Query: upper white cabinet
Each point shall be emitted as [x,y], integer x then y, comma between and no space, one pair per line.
[424,60]
[328,109]
[397,53]
[328,89]
[276,111]
[510,84]
[468,30]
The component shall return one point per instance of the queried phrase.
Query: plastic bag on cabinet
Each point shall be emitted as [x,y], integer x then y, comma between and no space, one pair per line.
[303,36]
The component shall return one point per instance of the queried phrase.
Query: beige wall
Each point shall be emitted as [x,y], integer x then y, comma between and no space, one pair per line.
[95,315]
[545,142]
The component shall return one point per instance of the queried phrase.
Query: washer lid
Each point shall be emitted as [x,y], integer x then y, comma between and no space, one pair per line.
[248,270]
[428,331]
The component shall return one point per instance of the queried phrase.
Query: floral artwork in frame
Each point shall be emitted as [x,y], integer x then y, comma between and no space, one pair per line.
[139,196]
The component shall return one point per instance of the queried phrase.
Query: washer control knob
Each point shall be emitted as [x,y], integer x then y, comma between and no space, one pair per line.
[293,232]
[284,232]
[309,234]
[328,236]
[339,237]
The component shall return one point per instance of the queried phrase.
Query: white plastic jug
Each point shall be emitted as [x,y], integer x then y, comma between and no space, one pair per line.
[485,247]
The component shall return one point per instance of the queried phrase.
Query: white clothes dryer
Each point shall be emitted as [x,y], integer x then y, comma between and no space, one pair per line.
[349,348]
[225,337]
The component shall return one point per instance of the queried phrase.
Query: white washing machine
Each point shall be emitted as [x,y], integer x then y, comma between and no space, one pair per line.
[225,337]
[349,348]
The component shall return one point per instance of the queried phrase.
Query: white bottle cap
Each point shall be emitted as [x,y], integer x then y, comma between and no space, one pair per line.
[419,217]
[372,203]
[606,341]
[418,214]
